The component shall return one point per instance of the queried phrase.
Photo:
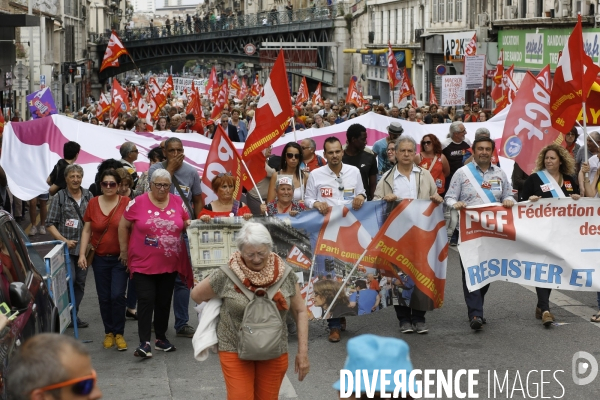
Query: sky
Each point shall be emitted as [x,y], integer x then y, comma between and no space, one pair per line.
[161,3]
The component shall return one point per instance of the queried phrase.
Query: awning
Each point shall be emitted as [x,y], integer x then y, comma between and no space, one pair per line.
[17,20]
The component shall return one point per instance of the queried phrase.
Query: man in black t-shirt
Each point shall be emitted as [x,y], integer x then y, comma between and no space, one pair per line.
[454,148]
[355,155]
[57,180]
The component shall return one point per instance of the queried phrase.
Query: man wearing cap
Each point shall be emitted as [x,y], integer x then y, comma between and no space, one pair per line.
[380,147]
[479,182]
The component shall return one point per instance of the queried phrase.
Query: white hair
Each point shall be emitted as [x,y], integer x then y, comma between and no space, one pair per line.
[254,234]
[160,173]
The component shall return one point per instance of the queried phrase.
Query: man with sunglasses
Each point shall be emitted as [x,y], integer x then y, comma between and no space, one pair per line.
[51,366]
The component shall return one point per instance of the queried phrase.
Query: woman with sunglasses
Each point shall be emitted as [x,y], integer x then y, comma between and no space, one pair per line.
[226,205]
[152,247]
[100,229]
[432,159]
[291,158]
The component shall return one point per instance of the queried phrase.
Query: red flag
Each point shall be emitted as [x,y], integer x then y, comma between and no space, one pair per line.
[471,48]
[243,92]
[272,116]
[432,98]
[195,107]
[302,93]
[255,89]
[575,73]
[222,157]
[405,88]
[416,227]
[120,101]
[2,122]
[167,88]
[413,97]
[504,93]
[222,95]
[317,97]
[235,82]
[353,96]
[103,106]
[392,68]
[143,111]
[545,77]
[510,71]
[527,128]
[213,85]
[135,96]
[114,50]
[157,98]
[499,73]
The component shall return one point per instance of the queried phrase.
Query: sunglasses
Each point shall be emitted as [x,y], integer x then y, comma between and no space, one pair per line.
[162,185]
[340,183]
[292,155]
[426,143]
[82,386]
[108,184]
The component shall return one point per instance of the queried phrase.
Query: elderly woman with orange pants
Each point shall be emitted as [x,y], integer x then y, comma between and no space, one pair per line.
[257,267]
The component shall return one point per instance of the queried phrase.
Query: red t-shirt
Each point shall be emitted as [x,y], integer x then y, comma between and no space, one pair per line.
[374,285]
[110,241]
[437,171]
[314,163]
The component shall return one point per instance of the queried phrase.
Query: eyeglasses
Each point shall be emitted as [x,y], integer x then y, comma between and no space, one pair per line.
[108,184]
[390,150]
[306,148]
[292,155]
[162,185]
[82,386]
[136,150]
[259,254]
[340,183]
[426,143]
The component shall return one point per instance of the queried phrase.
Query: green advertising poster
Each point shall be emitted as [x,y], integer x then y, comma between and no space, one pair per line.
[535,48]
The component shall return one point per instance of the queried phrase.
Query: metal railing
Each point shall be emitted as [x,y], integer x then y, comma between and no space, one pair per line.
[226,23]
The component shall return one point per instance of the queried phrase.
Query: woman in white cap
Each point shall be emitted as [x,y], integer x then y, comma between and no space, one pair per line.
[284,202]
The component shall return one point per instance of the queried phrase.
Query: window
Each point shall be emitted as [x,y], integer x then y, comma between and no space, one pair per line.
[218,254]
[381,27]
[442,10]
[204,237]
[458,12]
[403,27]
[435,11]
[218,237]
[450,10]
[389,25]
[206,255]
[396,27]
[411,33]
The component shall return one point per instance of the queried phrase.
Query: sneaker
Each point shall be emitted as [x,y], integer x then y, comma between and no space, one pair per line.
[144,350]
[334,335]
[186,331]
[164,345]
[547,319]
[80,324]
[538,313]
[33,231]
[476,323]
[420,327]
[406,327]
[121,343]
[42,230]
[109,341]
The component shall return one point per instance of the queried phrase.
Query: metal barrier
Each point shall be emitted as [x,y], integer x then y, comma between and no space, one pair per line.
[226,23]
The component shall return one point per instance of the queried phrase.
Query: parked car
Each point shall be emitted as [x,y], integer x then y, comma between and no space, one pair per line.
[24,290]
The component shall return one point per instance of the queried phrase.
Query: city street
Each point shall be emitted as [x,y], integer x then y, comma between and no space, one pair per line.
[513,340]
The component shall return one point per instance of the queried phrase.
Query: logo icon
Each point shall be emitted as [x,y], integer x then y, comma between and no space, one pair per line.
[581,367]
[513,146]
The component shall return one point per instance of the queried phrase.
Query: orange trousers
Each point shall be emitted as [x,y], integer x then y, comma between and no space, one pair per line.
[252,380]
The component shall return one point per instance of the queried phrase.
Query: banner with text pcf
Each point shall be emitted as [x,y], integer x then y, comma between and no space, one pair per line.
[551,243]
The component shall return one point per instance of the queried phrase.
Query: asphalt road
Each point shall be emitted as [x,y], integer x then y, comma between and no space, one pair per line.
[512,344]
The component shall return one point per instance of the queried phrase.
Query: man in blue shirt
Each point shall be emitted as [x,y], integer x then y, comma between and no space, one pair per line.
[380,147]
[367,299]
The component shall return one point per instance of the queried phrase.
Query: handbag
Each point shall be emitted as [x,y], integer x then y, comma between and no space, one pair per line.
[90,251]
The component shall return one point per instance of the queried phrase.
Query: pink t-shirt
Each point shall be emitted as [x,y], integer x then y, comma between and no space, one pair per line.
[156,245]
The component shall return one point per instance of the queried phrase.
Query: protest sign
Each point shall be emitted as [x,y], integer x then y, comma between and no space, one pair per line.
[475,71]
[518,244]
[41,103]
[453,90]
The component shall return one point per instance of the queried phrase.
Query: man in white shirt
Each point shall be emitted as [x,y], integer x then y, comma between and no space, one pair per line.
[330,185]
[335,183]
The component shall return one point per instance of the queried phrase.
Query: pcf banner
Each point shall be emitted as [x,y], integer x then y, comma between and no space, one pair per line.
[551,243]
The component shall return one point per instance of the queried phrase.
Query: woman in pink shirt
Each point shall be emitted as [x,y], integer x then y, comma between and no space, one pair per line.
[152,247]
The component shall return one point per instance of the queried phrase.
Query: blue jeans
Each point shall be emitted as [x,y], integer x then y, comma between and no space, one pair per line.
[79,276]
[181,297]
[334,323]
[111,282]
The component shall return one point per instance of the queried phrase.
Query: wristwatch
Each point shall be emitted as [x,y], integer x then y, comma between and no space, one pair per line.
[363,195]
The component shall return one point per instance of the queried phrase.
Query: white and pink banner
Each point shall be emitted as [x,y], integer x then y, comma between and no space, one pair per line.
[519,244]
[32,148]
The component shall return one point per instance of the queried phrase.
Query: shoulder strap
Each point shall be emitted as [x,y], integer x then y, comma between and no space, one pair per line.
[237,281]
[109,219]
[76,206]
[181,194]
[273,289]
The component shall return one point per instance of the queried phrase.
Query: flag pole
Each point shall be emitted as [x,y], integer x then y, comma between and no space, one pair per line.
[301,177]
[253,183]
[344,284]
[585,136]
[312,268]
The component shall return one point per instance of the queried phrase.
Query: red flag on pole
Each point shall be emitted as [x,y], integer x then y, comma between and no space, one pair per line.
[575,73]
[222,95]
[392,68]
[195,107]
[243,92]
[103,106]
[157,98]
[255,89]
[432,98]
[545,77]
[405,88]
[499,73]
[212,86]
[353,96]
[302,93]
[272,116]
[114,50]
[504,93]
[413,97]
[317,98]
[222,158]
[235,82]
[527,127]
[471,48]
[120,101]
[167,88]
